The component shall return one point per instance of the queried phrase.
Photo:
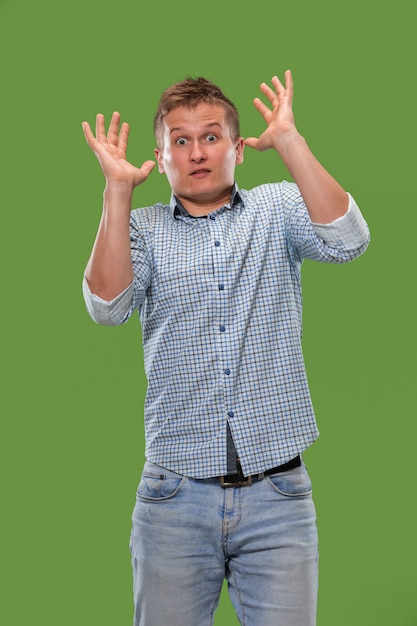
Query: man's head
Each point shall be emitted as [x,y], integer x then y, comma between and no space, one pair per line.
[190,93]
[198,144]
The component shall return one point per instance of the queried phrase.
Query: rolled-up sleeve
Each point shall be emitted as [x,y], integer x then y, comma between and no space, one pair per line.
[340,241]
[118,310]
[108,312]
[350,231]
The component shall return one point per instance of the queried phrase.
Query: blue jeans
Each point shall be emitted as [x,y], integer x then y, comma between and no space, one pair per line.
[189,535]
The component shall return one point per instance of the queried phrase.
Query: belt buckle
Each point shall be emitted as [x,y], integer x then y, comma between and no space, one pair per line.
[244,482]
[240,483]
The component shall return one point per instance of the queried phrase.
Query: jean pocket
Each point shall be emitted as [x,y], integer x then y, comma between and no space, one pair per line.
[295,483]
[158,487]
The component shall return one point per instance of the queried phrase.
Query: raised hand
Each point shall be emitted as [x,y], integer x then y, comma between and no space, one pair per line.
[110,150]
[279,118]
[325,199]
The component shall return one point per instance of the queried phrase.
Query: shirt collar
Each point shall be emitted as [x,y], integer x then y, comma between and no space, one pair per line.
[176,208]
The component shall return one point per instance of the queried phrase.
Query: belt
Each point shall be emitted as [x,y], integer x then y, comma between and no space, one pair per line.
[239,480]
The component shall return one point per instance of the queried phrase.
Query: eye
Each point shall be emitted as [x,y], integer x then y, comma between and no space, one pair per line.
[181,141]
[210,138]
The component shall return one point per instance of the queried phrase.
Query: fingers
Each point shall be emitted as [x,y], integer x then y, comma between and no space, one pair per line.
[113,134]
[270,93]
[288,90]
[100,130]
[262,108]
[277,113]
[88,134]
[276,95]
[114,137]
[123,137]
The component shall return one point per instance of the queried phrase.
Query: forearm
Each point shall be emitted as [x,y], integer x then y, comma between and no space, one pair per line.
[325,199]
[109,269]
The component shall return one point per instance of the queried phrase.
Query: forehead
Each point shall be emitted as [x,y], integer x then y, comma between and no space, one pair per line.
[202,116]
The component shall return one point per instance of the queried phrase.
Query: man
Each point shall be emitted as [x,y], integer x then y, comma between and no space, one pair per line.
[215,276]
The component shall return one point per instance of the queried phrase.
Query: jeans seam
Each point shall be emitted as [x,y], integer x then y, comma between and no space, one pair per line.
[238,595]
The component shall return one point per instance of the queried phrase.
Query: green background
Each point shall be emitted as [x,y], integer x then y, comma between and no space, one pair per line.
[71,441]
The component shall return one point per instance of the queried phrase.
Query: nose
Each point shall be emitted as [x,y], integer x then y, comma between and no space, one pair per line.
[197,154]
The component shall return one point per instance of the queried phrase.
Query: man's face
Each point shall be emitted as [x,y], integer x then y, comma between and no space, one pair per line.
[199,157]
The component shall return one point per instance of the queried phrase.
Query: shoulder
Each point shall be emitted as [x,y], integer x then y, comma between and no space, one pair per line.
[272,193]
[148,218]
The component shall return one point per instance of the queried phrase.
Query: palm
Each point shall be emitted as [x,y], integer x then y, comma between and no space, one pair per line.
[279,118]
[110,150]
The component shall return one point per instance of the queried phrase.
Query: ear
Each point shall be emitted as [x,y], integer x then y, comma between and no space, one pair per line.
[240,147]
[160,160]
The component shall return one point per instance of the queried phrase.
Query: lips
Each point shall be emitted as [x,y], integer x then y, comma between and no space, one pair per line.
[200,172]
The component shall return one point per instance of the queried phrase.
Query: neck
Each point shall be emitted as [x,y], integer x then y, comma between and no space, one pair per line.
[198,208]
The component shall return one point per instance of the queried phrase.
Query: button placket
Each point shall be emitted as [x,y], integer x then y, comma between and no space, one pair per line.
[220,281]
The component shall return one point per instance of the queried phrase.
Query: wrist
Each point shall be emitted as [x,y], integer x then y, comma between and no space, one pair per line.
[117,200]
[288,140]
[119,187]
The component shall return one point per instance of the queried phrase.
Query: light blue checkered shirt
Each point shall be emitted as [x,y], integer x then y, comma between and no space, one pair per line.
[220,304]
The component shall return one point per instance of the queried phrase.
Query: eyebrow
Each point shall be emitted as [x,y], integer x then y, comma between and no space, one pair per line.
[209,125]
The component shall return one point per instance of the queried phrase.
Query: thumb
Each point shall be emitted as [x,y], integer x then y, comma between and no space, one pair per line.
[147,167]
[252,142]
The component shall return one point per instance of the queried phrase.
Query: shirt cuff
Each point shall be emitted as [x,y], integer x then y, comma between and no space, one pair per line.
[108,312]
[350,229]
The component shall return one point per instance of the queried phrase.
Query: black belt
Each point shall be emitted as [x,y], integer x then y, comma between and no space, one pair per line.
[239,480]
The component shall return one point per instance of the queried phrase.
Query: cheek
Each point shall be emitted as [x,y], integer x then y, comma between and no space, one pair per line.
[172,171]
[173,162]
[229,161]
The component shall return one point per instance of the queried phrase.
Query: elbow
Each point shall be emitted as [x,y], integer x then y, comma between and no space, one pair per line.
[111,312]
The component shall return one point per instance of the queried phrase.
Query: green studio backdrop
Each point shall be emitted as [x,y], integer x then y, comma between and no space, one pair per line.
[72,392]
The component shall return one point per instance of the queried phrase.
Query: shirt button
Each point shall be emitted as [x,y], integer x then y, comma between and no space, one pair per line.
[217,243]
[222,329]
[227,371]
[212,217]
[230,414]
[221,287]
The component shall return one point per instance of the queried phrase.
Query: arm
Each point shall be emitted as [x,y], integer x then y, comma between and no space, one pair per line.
[325,199]
[109,269]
